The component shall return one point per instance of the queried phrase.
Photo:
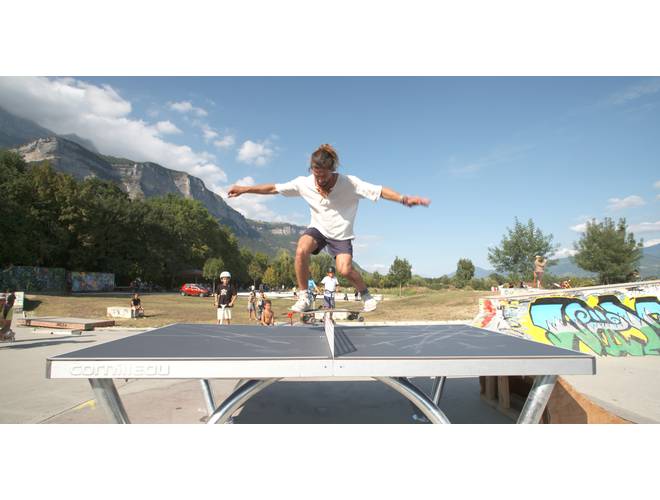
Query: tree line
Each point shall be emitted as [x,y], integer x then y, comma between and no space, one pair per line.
[50,219]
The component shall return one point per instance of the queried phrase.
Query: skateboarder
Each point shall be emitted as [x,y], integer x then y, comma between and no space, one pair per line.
[333,200]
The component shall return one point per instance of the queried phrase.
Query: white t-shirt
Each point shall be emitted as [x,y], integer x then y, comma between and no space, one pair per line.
[332,216]
[330,284]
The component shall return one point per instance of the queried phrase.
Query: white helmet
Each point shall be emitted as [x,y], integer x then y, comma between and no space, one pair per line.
[225,274]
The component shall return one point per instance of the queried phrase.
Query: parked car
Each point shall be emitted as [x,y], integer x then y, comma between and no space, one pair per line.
[195,289]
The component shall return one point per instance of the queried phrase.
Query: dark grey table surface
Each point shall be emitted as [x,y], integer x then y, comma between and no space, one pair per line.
[200,341]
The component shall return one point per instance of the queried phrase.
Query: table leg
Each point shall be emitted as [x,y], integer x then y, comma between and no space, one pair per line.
[537,399]
[107,397]
[416,396]
[237,399]
[438,387]
[208,396]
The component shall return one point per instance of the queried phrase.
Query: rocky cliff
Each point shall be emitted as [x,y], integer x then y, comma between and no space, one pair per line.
[78,157]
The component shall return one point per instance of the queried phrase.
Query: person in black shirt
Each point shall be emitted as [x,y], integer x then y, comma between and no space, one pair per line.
[225,297]
[10,298]
[136,306]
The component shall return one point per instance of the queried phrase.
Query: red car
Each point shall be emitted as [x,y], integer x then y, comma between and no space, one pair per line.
[195,289]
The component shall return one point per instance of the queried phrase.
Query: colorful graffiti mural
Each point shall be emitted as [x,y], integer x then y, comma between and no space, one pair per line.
[33,279]
[92,282]
[607,321]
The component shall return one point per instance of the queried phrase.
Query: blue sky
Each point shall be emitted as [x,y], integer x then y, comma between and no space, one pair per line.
[485,150]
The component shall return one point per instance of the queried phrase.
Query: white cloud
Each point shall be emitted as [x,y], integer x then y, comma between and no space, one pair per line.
[650,243]
[167,127]
[579,228]
[187,107]
[209,133]
[226,142]
[253,206]
[627,202]
[563,252]
[657,185]
[255,153]
[645,227]
[377,267]
[100,114]
[633,92]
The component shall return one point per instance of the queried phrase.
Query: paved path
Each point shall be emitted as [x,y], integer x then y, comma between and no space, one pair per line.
[29,397]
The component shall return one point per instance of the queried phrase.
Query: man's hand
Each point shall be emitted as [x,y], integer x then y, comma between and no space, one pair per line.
[235,191]
[411,201]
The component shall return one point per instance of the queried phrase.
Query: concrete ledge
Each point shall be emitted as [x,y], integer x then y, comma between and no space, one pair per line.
[121,312]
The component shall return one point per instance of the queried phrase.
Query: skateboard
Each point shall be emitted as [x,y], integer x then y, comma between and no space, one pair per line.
[310,316]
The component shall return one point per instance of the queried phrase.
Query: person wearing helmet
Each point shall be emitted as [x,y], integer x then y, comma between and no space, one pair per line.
[333,201]
[330,287]
[224,298]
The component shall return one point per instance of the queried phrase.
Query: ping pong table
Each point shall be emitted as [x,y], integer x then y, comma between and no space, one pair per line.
[259,356]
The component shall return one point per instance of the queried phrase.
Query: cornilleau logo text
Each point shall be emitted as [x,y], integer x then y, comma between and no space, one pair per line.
[126,371]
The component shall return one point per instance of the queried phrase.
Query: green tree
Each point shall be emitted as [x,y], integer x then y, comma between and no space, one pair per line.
[373,280]
[271,278]
[519,247]
[609,250]
[212,269]
[464,272]
[400,272]
[285,268]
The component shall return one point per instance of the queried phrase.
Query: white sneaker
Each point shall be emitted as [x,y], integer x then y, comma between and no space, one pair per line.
[370,304]
[303,304]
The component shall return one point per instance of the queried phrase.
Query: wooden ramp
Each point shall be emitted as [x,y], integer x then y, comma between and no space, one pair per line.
[566,404]
[66,323]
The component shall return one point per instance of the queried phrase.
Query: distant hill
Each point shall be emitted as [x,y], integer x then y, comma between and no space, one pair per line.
[15,131]
[479,272]
[649,266]
[78,157]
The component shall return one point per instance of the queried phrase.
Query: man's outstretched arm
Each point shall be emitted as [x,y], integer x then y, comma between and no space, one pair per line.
[235,191]
[409,201]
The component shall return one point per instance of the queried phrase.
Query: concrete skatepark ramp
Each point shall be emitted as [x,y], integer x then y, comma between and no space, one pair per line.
[611,320]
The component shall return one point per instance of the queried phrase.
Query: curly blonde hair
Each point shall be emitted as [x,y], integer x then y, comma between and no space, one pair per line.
[325,157]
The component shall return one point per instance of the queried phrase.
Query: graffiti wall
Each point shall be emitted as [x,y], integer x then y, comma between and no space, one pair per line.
[33,279]
[92,282]
[609,321]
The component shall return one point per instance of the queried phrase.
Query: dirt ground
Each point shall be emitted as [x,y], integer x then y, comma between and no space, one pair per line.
[166,308]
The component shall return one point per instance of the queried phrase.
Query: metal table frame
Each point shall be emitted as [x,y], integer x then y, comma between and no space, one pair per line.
[108,398]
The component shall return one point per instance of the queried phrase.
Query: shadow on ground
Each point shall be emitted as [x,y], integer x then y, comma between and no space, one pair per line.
[291,403]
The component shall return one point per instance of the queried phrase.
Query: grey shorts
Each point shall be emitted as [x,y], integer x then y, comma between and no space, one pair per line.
[335,247]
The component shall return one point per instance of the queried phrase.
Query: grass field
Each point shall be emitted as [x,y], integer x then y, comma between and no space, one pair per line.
[166,308]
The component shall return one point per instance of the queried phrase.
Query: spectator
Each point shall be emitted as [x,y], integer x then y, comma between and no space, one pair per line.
[312,291]
[10,298]
[539,268]
[252,305]
[330,286]
[224,298]
[261,301]
[267,317]
[136,306]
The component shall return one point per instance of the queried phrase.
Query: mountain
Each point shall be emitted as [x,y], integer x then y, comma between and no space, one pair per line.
[78,157]
[479,272]
[147,179]
[649,265]
[15,131]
